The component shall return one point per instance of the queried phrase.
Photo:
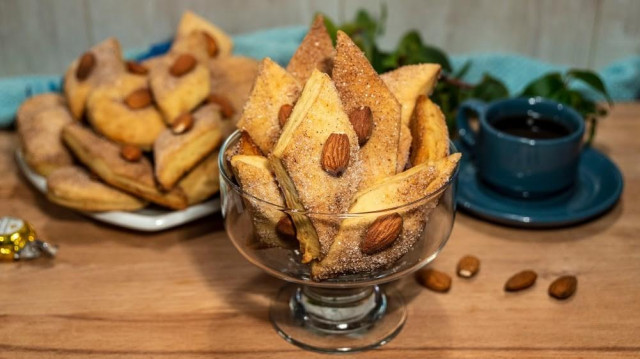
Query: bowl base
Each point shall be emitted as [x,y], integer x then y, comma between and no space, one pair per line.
[337,320]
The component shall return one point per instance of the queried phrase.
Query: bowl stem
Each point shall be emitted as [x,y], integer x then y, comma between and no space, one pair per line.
[337,320]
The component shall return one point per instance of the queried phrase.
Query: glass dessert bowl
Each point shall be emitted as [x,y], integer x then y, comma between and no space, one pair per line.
[339,306]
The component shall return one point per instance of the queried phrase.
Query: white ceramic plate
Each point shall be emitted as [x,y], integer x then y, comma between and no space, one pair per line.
[146,219]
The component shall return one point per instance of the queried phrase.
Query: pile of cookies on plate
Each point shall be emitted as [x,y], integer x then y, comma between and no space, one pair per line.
[328,135]
[126,134]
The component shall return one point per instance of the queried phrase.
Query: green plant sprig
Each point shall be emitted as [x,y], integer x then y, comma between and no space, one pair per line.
[451,90]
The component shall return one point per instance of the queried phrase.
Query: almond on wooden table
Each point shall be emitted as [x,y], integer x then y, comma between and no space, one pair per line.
[336,154]
[182,65]
[521,280]
[85,66]
[563,287]
[468,266]
[139,99]
[381,233]
[435,280]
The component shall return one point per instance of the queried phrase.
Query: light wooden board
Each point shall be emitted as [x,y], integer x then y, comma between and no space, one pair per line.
[187,293]
[618,31]
[43,36]
[535,28]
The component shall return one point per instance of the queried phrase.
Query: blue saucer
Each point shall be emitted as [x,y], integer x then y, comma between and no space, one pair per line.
[598,188]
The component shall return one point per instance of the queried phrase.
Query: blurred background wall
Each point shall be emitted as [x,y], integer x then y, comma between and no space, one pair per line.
[42,36]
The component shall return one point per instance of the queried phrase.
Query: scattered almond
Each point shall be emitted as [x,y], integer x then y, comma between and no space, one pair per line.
[226,108]
[520,281]
[285,229]
[131,153]
[139,99]
[362,122]
[182,124]
[335,154]
[246,146]
[212,45]
[284,113]
[563,287]
[435,280]
[381,233]
[468,266]
[182,65]
[136,68]
[85,66]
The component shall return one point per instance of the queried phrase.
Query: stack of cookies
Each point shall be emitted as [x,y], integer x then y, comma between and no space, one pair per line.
[125,134]
[328,135]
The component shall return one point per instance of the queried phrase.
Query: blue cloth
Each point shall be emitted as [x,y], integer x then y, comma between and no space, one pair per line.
[620,77]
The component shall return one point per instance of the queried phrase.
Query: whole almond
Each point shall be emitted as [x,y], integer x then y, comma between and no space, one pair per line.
[136,68]
[286,229]
[284,113]
[520,281]
[362,122]
[131,153]
[563,287]
[435,280]
[246,146]
[182,124]
[336,154]
[468,266]
[381,233]
[212,45]
[139,99]
[226,108]
[182,65]
[85,66]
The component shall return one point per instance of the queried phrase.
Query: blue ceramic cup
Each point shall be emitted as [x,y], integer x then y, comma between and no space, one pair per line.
[519,166]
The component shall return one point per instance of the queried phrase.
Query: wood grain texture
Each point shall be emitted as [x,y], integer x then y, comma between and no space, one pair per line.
[187,292]
[542,29]
[43,36]
[618,31]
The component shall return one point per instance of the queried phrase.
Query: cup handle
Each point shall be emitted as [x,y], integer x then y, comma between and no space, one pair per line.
[468,135]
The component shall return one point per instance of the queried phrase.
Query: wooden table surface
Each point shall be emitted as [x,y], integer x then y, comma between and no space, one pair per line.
[187,293]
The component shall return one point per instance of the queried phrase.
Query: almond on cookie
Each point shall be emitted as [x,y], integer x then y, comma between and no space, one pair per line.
[360,86]
[316,161]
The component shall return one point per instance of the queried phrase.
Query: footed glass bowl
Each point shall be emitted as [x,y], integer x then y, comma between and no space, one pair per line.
[342,313]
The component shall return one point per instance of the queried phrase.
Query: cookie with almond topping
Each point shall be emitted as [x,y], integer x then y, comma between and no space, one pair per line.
[124,112]
[99,65]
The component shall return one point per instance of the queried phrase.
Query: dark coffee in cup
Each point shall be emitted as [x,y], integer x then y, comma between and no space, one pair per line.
[524,147]
[531,127]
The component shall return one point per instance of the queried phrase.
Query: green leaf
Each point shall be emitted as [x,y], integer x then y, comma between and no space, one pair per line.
[489,89]
[545,86]
[434,54]
[592,79]
[463,70]
[411,51]
[332,29]
[382,21]
[377,60]
[366,23]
